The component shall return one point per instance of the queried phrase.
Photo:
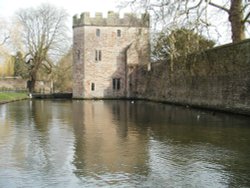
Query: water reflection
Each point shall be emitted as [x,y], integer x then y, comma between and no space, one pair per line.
[37,149]
[104,143]
[47,143]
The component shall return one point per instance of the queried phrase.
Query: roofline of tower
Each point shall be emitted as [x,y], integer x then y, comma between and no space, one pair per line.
[84,25]
[113,19]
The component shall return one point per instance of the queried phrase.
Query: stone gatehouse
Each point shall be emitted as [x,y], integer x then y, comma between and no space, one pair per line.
[105,52]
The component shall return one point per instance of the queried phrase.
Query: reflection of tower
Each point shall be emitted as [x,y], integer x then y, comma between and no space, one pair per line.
[106,141]
[102,50]
[79,131]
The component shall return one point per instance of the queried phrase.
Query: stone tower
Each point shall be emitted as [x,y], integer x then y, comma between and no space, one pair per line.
[105,51]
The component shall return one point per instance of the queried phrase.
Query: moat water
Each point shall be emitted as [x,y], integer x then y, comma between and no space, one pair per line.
[47,143]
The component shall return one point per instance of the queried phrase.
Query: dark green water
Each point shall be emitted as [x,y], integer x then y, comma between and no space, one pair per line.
[47,143]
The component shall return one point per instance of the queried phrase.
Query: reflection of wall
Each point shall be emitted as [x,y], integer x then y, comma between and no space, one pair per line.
[186,125]
[105,140]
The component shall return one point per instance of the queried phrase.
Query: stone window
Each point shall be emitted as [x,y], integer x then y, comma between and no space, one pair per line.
[116,83]
[139,31]
[78,52]
[98,55]
[119,33]
[92,86]
[98,32]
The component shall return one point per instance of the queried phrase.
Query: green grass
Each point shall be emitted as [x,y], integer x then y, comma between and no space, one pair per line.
[9,96]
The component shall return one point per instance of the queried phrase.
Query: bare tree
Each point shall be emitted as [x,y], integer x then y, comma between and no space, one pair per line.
[44,33]
[4,32]
[5,38]
[238,16]
[194,13]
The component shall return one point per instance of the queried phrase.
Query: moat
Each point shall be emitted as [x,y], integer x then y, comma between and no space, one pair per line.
[111,143]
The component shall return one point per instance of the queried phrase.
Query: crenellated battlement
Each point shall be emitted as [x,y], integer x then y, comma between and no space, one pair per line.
[113,19]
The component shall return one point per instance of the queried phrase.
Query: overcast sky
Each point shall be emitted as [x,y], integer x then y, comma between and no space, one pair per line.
[9,7]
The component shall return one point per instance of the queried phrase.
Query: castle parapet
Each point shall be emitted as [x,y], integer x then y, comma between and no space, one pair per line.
[113,19]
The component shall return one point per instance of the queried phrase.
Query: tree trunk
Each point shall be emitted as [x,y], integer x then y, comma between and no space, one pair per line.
[33,74]
[32,85]
[236,20]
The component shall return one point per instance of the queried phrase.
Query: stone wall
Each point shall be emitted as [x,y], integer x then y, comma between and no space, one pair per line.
[19,84]
[113,19]
[118,43]
[217,79]
[12,84]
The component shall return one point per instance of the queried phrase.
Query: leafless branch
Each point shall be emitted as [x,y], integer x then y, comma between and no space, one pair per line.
[195,6]
[160,5]
[4,40]
[48,66]
[244,7]
[246,18]
[217,6]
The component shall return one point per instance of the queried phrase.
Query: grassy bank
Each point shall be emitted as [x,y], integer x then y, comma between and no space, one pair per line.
[9,96]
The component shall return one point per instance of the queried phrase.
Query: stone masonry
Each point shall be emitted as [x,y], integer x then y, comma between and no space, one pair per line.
[217,79]
[105,52]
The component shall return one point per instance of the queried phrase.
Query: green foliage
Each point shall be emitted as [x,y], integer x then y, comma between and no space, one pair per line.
[20,66]
[180,42]
[62,74]
[7,66]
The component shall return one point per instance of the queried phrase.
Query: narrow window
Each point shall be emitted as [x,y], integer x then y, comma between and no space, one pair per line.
[78,53]
[116,82]
[119,33]
[98,55]
[139,31]
[98,32]
[92,86]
